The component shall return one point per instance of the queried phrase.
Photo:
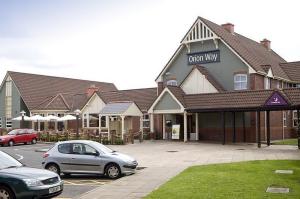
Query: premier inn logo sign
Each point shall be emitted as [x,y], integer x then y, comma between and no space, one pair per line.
[204,57]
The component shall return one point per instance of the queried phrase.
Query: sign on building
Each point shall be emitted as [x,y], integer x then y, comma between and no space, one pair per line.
[276,100]
[203,57]
[175,131]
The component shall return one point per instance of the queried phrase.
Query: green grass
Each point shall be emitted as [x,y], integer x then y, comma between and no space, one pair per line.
[287,142]
[245,180]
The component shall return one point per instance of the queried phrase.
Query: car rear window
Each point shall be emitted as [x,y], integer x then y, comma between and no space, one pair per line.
[64,148]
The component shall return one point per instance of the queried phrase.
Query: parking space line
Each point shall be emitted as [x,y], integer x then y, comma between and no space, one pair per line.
[20,157]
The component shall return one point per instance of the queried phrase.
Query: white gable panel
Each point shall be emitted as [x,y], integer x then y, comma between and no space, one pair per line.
[197,83]
[94,105]
[133,110]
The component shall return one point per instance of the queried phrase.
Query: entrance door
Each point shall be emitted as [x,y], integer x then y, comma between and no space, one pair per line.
[179,120]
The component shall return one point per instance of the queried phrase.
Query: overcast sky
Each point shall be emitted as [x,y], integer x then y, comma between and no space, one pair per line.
[127,42]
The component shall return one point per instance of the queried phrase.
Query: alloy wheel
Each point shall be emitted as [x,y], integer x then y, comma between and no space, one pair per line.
[113,171]
[4,194]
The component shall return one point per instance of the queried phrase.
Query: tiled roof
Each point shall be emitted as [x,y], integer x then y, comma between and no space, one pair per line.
[292,69]
[239,99]
[178,93]
[254,53]
[35,89]
[53,103]
[142,97]
[234,99]
[113,96]
[293,94]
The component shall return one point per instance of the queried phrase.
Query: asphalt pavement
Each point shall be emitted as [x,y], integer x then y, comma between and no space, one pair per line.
[74,186]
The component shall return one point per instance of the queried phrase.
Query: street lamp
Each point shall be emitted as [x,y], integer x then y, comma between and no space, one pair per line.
[22,115]
[77,113]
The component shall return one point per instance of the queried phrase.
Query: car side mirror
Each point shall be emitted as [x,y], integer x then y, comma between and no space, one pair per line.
[97,154]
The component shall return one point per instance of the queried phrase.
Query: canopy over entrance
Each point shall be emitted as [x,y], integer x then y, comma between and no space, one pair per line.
[121,110]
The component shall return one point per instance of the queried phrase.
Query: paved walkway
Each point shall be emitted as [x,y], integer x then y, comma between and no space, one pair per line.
[165,159]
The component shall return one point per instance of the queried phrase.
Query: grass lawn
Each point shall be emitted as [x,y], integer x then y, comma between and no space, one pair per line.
[244,180]
[287,142]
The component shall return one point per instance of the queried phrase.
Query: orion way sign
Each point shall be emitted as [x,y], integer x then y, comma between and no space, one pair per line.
[203,57]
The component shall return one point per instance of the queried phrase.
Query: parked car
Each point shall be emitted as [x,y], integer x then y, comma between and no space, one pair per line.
[17,136]
[18,181]
[87,157]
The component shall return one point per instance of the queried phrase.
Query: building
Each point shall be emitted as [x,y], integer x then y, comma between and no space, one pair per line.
[44,95]
[216,86]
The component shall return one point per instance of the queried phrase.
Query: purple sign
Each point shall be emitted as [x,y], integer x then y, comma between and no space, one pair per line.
[276,100]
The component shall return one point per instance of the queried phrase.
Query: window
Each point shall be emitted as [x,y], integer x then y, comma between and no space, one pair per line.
[64,148]
[0,122]
[146,121]
[8,122]
[93,120]
[284,118]
[103,121]
[240,81]
[295,119]
[85,120]
[172,82]
[267,83]
[8,100]
[88,150]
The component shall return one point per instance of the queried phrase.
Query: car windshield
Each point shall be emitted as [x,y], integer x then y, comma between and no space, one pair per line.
[103,148]
[13,132]
[8,162]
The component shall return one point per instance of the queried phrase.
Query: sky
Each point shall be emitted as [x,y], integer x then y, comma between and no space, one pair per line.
[127,42]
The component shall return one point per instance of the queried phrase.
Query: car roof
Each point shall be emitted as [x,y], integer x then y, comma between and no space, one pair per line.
[77,141]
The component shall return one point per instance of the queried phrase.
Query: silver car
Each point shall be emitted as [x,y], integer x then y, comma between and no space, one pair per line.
[87,157]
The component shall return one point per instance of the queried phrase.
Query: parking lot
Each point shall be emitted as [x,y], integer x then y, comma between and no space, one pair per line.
[158,160]
[75,185]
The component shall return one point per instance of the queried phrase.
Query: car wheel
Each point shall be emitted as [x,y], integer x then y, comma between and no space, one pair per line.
[11,143]
[6,193]
[33,141]
[113,171]
[54,168]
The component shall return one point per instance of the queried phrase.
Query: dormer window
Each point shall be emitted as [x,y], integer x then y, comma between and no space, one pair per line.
[172,82]
[240,81]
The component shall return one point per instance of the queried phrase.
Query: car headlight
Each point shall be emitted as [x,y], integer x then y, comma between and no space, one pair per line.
[33,182]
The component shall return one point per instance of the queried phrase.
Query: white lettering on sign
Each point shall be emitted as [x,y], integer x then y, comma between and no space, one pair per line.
[204,57]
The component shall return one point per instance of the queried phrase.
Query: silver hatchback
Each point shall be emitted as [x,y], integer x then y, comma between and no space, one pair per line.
[87,157]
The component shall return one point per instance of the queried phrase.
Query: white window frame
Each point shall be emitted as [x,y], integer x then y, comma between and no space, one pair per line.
[8,123]
[295,119]
[145,120]
[172,82]
[284,118]
[267,83]
[239,82]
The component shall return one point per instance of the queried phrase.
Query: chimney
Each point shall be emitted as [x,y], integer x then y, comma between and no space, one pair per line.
[160,87]
[229,27]
[91,90]
[266,43]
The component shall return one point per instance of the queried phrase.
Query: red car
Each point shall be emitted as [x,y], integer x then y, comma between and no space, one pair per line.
[17,136]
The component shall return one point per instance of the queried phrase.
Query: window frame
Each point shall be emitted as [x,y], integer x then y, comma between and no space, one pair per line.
[295,119]
[0,122]
[284,119]
[146,120]
[8,123]
[172,82]
[105,121]
[240,82]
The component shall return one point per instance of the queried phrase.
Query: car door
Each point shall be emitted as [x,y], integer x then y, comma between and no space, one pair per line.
[19,137]
[85,159]
[63,157]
